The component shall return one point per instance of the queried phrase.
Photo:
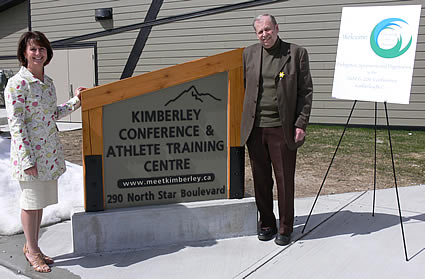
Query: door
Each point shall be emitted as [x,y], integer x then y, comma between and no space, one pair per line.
[69,69]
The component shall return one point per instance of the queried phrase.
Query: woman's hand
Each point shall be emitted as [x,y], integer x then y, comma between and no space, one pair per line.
[31,171]
[78,91]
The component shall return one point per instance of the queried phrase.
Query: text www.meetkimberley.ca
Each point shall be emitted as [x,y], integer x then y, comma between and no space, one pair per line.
[165,180]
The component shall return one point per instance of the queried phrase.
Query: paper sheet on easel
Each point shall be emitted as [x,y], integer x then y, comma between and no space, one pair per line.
[376,53]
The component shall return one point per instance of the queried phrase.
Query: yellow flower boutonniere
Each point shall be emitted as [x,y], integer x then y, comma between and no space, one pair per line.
[281,75]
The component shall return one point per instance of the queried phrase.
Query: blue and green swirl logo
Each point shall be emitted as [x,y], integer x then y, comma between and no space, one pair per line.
[396,50]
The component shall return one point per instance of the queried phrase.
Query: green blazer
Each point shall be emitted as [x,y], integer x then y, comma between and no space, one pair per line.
[294,90]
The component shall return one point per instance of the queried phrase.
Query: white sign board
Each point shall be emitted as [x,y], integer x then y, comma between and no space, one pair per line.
[167,146]
[376,53]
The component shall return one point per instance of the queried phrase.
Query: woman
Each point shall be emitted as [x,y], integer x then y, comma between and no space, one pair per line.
[36,153]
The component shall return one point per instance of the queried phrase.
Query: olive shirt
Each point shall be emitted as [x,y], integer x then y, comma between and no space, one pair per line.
[32,113]
[267,114]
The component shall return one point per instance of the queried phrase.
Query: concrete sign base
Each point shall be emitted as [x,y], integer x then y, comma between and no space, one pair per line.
[159,225]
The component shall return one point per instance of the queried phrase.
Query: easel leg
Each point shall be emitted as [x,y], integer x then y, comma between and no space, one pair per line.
[327,172]
[374,167]
[395,182]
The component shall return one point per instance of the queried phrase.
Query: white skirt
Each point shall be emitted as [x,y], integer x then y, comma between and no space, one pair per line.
[38,194]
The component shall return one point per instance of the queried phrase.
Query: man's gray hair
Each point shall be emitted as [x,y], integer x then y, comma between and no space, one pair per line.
[272,19]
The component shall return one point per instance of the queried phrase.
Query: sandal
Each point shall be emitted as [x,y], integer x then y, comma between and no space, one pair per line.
[38,264]
[46,258]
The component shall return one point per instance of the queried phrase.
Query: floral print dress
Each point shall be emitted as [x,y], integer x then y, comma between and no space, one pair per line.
[32,113]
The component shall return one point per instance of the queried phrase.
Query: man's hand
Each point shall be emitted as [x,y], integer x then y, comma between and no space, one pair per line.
[299,135]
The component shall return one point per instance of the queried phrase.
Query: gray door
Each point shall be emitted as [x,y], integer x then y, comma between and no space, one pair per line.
[69,69]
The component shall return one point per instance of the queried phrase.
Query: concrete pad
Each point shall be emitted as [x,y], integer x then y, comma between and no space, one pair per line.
[326,207]
[211,259]
[342,240]
[159,225]
[353,244]
[229,258]
[9,274]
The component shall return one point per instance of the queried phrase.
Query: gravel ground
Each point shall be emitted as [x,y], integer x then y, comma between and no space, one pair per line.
[309,176]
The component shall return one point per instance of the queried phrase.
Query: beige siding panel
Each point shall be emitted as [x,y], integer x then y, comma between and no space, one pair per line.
[322,50]
[211,22]
[334,3]
[129,4]
[418,89]
[166,61]
[11,64]
[120,8]
[322,65]
[13,23]
[43,6]
[191,30]
[63,19]
[172,39]
[163,47]
[312,24]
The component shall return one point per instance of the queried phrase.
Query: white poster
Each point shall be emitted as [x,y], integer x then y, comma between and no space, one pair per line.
[376,53]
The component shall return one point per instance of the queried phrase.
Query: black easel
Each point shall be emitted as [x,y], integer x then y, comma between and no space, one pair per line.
[374,173]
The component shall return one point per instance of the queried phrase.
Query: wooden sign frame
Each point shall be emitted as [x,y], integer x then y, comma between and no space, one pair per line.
[93,101]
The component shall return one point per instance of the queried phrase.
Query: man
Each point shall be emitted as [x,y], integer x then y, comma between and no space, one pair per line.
[278,97]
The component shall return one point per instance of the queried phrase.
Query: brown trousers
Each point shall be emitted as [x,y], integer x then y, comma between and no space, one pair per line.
[267,147]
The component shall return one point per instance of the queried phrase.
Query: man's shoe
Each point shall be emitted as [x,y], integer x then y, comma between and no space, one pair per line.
[267,234]
[282,239]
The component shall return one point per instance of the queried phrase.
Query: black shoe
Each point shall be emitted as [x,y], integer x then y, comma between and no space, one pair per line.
[282,239]
[267,234]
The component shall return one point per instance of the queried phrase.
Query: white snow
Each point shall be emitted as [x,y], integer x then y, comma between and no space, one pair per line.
[70,191]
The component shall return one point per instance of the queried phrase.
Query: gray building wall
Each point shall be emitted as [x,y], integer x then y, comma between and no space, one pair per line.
[310,23]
